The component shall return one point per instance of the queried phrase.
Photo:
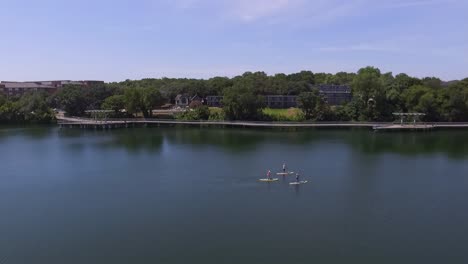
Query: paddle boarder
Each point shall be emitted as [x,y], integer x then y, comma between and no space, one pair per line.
[297,177]
[284,167]
[269,174]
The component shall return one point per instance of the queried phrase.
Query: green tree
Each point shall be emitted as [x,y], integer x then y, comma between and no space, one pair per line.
[115,103]
[375,96]
[310,103]
[341,78]
[75,99]
[413,94]
[203,112]
[33,108]
[133,100]
[341,113]
[216,85]
[323,78]
[2,99]
[295,88]
[356,110]
[96,94]
[142,99]
[241,103]
[151,98]
[279,84]
[432,82]
[199,112]
[257,82]
[393,100]
[72,99]
[423,99]
[367,88]
[303,76]
[454,102]
[403,81]
[10,112]
[367,83]
[429,105]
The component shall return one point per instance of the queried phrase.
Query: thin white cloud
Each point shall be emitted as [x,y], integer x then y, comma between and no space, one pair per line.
[251,10]
[407,45]
[295,12]
[397,44]
[364,47]
[418,3]
[325,12]
[184,4]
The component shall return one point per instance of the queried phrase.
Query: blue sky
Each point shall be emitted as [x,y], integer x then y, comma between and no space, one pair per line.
[114,40]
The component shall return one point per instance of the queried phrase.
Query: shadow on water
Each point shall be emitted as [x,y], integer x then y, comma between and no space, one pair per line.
[297,190]
[452,143]
[33,132]
[135,141]
[228,139]
[131,140]
[236,139]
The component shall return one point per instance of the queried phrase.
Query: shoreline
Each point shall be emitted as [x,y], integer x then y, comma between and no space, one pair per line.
[73,122]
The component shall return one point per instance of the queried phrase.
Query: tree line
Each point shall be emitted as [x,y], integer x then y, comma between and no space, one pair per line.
[29,108]
[375,96]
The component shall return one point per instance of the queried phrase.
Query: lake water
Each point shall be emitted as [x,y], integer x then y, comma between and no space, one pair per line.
[191,195]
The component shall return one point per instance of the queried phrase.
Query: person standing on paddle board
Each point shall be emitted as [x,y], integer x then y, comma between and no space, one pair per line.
[269,174]
[284,167]
[297,177]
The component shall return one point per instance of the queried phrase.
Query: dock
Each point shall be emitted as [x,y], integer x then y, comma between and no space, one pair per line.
[420,126]
[137,122]
[87,123]
[399,127]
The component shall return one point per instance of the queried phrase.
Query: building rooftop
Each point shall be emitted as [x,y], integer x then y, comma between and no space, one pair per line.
[284,96]
[34,81]
[53,81]
[330,88]
[179,96]
[28,85]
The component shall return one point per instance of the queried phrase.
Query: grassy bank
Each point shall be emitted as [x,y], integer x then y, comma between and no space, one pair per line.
[290,114]
[269,114]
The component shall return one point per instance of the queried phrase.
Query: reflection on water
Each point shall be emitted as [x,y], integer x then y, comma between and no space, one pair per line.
[34,132]
[191,195]
[134,141]
[131,140]
[452,143]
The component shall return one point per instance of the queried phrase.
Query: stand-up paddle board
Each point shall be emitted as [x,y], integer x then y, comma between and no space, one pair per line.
[298,183]
[268,180]
[285,173]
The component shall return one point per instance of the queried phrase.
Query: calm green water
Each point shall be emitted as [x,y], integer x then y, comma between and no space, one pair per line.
[190,195]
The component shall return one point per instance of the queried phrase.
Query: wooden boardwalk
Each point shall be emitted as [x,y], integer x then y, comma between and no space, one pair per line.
[72,122]
[89,123]
[395,127]
[419,126]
